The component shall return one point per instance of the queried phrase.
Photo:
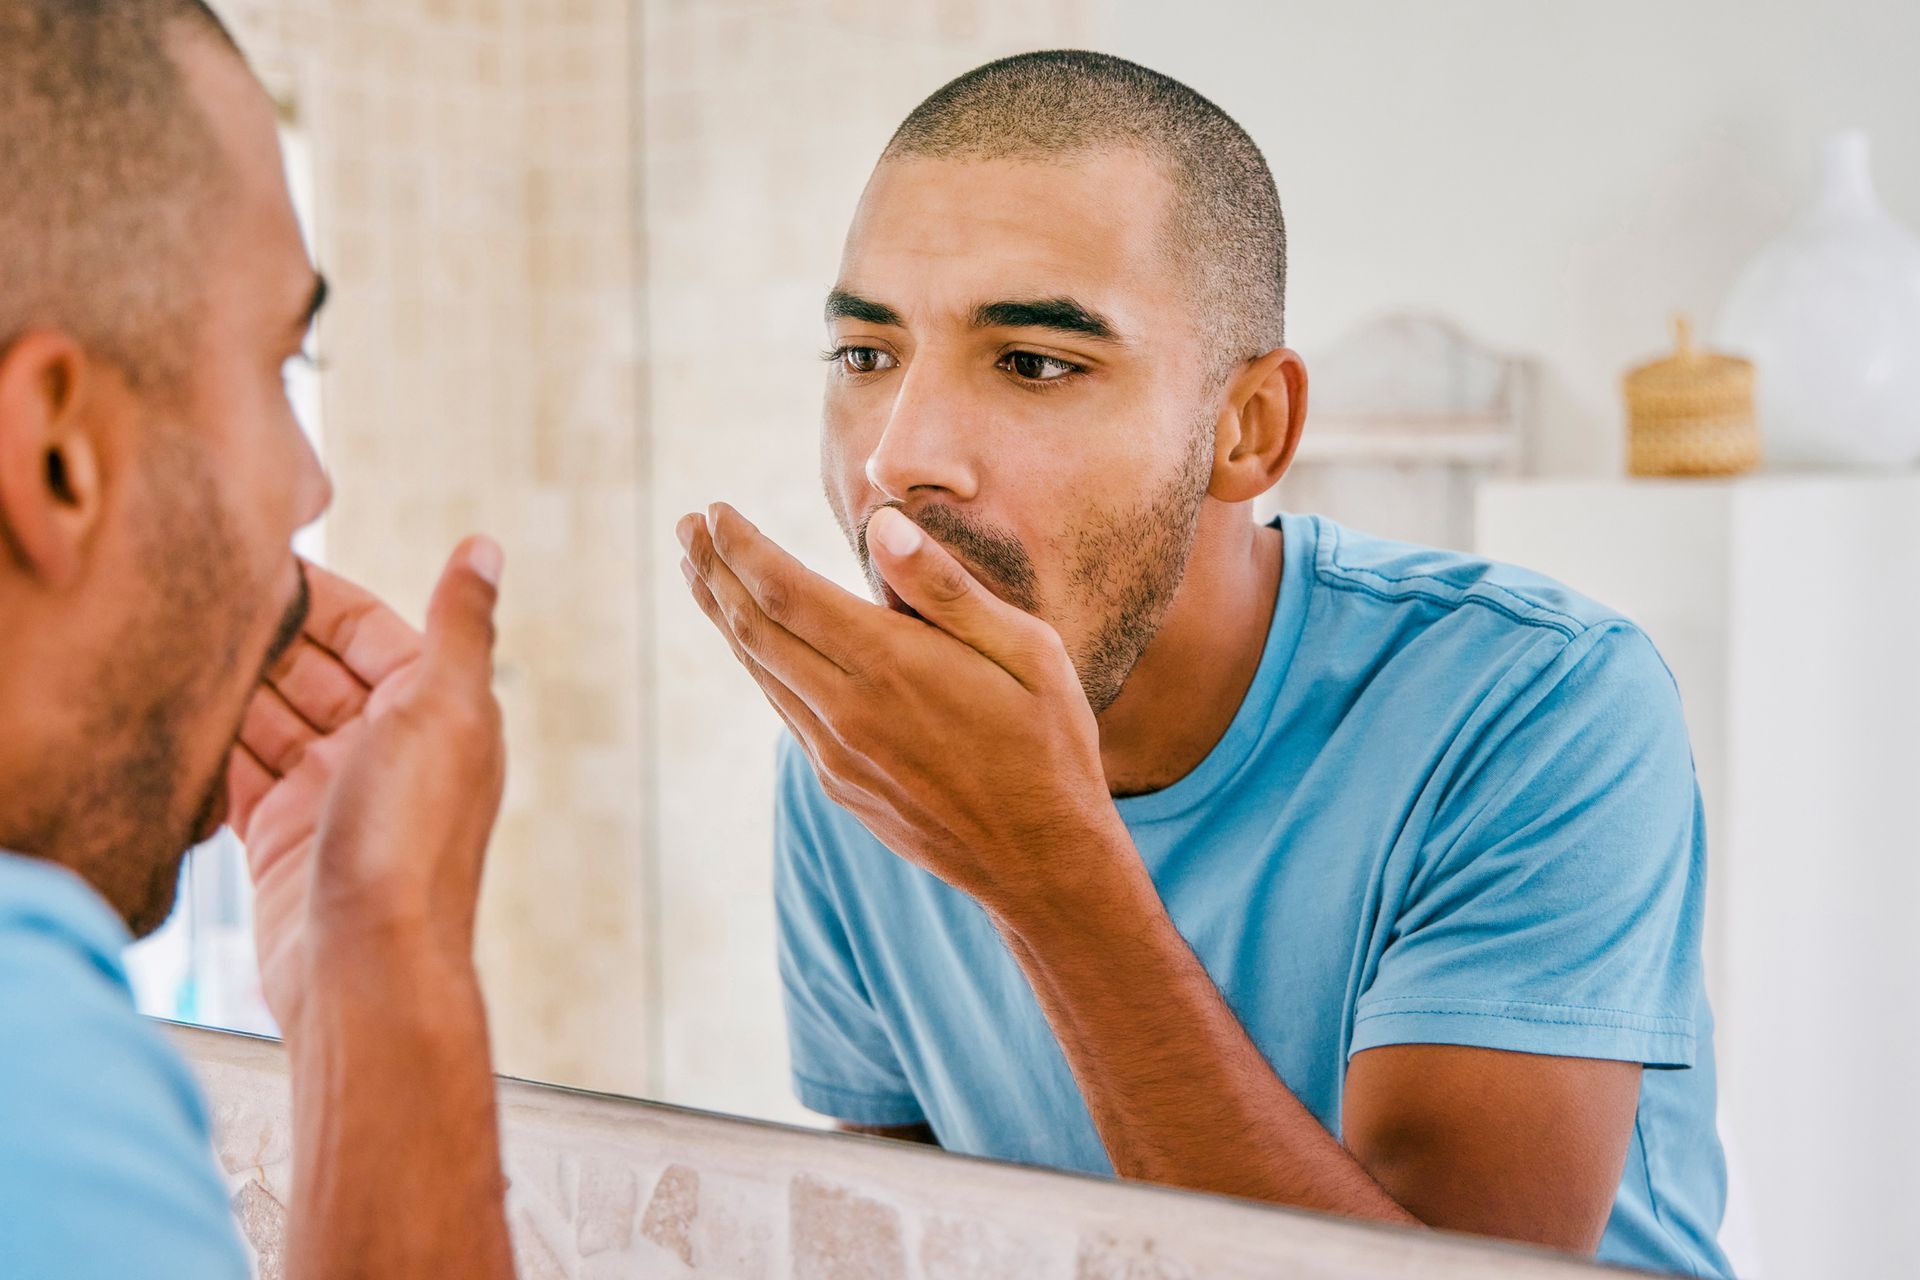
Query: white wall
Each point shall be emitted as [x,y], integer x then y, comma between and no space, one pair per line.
[1558,176]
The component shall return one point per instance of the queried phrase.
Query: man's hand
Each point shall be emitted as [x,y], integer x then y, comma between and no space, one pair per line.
[367,780]
[365,785]
[964,742]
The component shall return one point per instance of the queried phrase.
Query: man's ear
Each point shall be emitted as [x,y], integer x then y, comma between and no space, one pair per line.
[50,490]
[1259,426]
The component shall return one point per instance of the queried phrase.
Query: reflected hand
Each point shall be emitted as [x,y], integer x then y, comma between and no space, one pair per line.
[365,785]
[963,742]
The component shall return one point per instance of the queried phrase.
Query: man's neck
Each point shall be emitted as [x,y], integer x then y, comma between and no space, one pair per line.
[1188,685]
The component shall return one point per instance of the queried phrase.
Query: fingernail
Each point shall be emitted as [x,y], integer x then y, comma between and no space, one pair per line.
[684,532]
[686,571]
[896,532]
[486,559]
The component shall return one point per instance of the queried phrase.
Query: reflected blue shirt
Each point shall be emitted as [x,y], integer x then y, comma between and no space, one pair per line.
[1457,806]
[106,1164]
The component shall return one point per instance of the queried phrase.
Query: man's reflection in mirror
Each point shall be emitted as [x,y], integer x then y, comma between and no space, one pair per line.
[1121,833]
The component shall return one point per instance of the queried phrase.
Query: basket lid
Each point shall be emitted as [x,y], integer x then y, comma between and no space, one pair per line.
[1689,368]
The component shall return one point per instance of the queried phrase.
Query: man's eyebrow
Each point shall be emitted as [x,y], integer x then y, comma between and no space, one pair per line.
[316,300]
[1062,314]
[842,305]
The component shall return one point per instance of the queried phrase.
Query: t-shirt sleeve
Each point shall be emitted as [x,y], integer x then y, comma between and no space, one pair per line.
[1556,903]
[106,1164]
[844,1063]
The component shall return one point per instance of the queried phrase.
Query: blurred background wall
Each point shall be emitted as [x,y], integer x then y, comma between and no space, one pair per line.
[1556,177]
[475,206]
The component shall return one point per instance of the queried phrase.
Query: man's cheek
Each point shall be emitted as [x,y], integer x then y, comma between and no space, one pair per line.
[843,479]
[842,459]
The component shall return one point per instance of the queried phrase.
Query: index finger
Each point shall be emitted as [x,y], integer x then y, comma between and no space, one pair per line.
[357,627]
[823,615]
[932,581]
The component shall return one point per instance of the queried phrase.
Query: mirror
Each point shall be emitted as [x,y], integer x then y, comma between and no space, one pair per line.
[579,254]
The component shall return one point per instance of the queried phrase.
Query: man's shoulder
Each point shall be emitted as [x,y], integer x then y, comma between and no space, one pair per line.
[60,965]
[798,797]
[100,1121]
[823,854]
[1476,636]
[807,823]
[76,1046]
[42,901]
[796,790]
[1452,585]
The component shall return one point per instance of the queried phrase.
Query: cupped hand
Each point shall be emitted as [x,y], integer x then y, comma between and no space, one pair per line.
[366,783]
[962,739]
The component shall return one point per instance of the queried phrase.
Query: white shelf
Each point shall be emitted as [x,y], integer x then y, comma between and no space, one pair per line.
[1788,606]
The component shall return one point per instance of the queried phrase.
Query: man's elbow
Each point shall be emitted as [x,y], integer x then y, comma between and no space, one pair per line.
[920,1133]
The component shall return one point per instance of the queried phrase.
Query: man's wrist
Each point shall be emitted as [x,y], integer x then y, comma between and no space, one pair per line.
[406,981]
[1087,881]
[394,1102]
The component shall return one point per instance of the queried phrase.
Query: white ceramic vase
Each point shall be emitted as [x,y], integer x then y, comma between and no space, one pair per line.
[1830,316]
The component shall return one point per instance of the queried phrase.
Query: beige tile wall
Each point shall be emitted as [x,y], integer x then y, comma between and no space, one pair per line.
[477,215]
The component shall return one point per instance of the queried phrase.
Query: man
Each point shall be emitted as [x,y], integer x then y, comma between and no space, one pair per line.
[152,286]
[1279,862]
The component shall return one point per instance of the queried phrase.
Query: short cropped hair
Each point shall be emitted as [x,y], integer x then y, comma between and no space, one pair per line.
[1227,230]
[108,165]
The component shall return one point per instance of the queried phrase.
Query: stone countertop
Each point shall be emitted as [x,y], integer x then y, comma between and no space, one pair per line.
[605,1187]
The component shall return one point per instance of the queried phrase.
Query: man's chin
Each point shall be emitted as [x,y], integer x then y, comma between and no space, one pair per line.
[213,815]
[147,916]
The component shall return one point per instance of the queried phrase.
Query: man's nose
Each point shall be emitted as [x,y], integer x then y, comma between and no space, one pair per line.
[927,443]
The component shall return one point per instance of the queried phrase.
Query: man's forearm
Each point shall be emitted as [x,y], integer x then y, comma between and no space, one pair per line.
[1179,1093]
[397,1153]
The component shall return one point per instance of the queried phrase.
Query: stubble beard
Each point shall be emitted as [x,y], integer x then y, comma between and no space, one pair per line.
[1125,566]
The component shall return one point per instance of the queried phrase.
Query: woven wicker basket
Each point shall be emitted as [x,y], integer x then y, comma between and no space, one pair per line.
[1691,414]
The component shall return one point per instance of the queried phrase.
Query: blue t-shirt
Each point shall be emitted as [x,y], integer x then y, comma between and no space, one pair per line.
[106,1164]
[1457,806]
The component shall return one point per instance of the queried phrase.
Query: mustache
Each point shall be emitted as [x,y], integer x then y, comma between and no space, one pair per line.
[991,553]
[291,621]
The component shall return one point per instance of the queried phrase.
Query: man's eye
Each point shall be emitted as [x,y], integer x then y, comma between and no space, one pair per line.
[863,359]
[1030,366]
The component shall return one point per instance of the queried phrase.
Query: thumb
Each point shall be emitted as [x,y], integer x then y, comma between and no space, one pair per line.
[459,640]
[938,587]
